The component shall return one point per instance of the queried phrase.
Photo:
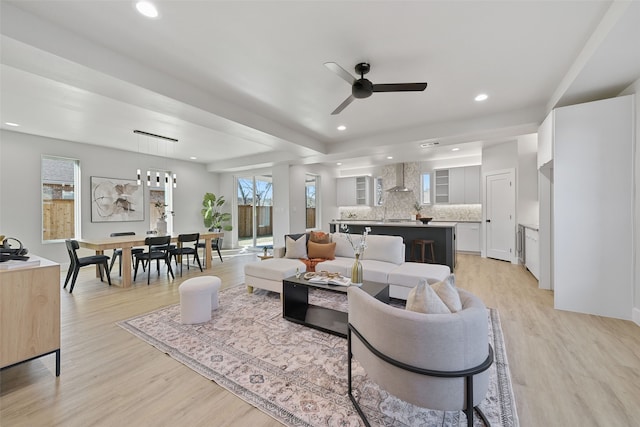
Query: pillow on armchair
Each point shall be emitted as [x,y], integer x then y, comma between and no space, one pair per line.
[447,292]
[423,299]
[439,298]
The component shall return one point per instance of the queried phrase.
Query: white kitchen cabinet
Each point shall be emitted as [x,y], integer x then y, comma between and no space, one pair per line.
[472,184]
[592,207]
[442,186]
[532,251]
[458,185]
[545,141]
[354,191]
[468,237]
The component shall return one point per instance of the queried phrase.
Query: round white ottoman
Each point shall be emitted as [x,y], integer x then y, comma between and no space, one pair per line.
[198,296]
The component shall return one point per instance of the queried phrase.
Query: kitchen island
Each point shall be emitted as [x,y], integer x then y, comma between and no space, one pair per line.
[442,233]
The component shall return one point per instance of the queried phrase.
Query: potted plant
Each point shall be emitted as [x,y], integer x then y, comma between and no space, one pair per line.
[161,224]
[418,207]
[212,214]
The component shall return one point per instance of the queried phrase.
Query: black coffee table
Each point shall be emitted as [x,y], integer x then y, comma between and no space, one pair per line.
[296,307]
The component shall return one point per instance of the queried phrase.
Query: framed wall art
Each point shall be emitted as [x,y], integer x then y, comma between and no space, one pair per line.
[116,200]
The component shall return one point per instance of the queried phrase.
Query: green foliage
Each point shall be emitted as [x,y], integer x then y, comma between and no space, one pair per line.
[212,214]
[417,206]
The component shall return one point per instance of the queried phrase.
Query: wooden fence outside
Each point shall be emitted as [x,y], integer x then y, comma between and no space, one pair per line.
[58,219]
[264,220]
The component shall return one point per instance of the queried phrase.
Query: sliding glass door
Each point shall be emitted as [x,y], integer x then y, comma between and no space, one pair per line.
[255,211]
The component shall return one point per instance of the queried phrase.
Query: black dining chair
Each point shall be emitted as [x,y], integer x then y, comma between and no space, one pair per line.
[117,253]
[215,245]
[183,250]
[77,262]
[158,249]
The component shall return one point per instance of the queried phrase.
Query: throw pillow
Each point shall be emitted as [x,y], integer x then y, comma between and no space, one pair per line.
[447,292]
[320,237]
[423,299]
[321,250]
[296,248]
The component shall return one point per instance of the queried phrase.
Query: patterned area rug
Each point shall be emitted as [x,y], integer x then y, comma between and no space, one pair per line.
[296,374]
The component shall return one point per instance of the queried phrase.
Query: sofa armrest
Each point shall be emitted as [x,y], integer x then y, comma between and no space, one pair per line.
[278,252]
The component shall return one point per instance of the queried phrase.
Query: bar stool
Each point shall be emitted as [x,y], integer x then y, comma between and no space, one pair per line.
[422,243]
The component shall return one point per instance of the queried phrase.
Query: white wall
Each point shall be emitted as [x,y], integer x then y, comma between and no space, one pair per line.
[634,89]
[20,188]
[527,180]
[500,157]
[297,205]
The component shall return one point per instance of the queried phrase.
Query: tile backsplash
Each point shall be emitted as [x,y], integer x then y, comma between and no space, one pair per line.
[400,205]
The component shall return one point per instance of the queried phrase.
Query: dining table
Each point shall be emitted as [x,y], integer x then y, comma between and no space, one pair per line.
[126,243]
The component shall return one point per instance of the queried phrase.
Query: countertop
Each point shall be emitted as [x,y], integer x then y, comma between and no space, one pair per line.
[416,224]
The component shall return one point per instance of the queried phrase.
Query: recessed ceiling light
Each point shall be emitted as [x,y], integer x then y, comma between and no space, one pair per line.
[389,157]
[342,127]
[193,158]
[11,124]
[481,97]
[339,164]
[147,9]
[455,149]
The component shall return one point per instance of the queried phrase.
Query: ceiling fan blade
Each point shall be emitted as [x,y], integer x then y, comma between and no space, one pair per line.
[341,72]
[400,87]
[344,105]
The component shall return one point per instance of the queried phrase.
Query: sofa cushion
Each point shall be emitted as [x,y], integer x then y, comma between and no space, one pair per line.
[274,268]
[376,271]
[295,247]
[321,250]
[319,237]
[384,248]
[409,274]
[424,299]
[448,293]
[340,265]
[343,247]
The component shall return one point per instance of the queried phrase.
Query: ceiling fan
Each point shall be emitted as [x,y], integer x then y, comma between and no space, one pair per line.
[363,88]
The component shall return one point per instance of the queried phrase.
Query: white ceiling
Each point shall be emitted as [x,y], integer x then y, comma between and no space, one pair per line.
[242,84]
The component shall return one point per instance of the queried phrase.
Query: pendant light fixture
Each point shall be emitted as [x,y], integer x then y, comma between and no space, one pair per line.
[166,174]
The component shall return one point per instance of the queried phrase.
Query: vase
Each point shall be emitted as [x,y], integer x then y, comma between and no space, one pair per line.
[161,225]
[356,271]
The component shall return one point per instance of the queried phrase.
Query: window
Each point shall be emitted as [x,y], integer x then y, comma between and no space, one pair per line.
[60,179]
[160,200]
[255,211]
[426,188]
[311,202]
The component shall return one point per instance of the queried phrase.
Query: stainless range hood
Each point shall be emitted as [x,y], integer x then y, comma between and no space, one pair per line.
[399,187]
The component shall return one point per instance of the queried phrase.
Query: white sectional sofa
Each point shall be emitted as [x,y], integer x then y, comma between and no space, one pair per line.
[382,261]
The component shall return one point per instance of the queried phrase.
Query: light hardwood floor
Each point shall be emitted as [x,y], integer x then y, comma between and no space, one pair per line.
[567,369]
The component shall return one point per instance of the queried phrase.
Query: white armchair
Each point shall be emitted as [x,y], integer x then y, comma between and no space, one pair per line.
[435,361]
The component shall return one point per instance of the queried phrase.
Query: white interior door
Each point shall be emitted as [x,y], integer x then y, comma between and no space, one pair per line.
[500,197]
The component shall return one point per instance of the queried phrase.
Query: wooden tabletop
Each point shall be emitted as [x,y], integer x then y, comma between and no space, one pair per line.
[126,243]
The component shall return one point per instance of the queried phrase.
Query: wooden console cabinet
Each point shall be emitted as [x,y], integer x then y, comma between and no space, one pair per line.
[30,313]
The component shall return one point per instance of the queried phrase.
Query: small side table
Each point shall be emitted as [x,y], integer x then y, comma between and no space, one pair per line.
[263,257]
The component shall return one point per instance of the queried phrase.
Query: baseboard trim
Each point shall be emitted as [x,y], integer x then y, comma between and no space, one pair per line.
[635,315]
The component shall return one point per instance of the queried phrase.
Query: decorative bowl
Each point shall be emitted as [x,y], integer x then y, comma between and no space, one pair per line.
[426,220]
